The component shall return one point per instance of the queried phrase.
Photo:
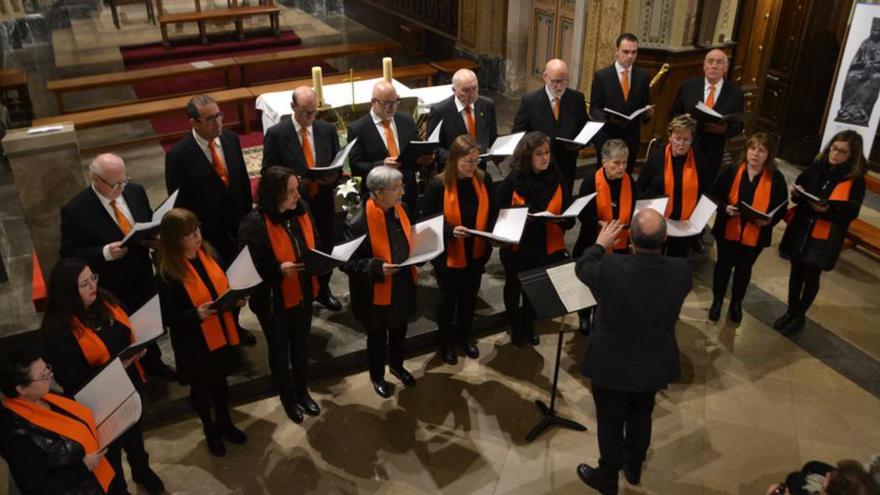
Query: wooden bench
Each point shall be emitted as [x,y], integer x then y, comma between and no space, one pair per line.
[237,13]
[861,233]
[446,68]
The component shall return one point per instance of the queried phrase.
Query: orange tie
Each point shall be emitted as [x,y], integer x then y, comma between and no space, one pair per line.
[471,125]
[390,143]
[624,83]
[310,158]
[218,164]
[124,224]
[555,108]
[710,100]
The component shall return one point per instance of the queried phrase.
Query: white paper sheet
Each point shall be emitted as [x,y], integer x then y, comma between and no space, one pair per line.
[632,115]
[146,323]
[708,111]
[339,159]
[504,145]
[656,204]
[573,210]
[343,252]
[435,136]
[508,226]
[586,134]
[156,220]
[427,241]
[575,295]
[768,215]
[113,401]
[202,64]
[803,192]
[694,225]
[45,129]
[242,273]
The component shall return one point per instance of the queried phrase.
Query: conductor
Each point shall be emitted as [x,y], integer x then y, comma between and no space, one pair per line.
[632,351]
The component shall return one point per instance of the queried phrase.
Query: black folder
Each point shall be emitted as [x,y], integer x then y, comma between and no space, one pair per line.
[228,300]
[414,150]
[318,263]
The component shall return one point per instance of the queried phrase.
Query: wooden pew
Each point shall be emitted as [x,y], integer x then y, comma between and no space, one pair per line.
[237,13]
[449,67]
[861,233]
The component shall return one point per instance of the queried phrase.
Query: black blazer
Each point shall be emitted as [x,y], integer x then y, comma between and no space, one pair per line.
[453,124]
[218,207]
[721,191]
[729,100]
[86,227]
[281,146]
[606,92]
[370,151]
[632,346]
[536,114]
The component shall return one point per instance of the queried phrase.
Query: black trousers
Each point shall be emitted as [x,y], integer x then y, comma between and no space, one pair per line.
[520,314]
[132,442]
[287,337]
[803,286]
[737,258]
[380,338]
[205,396]
[623,429]
[458,297]
[323,213]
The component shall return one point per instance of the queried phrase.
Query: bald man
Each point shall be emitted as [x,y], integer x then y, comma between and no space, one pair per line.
[382,135]
[557,111]
[633,352]
[465,112]
[721,95]
[300,143]
[624,88]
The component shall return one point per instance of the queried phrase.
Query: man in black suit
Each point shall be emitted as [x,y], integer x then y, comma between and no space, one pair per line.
[208,170]
[382,135]
[465,112]
[724,97]
[624,88]
[301,143]
[632,351]
[93,225]
[557,111]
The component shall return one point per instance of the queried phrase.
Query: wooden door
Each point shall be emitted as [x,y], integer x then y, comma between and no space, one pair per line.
[551,35]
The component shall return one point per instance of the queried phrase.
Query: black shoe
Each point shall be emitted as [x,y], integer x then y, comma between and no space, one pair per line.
[735,313]
[533,338]
[232,433]
[633,474]
[382,388]
[330,302]
[308,405]
[794,325]
[715,309]
[471,350]
[448,355]
[590,476]
[247,337]
[584,325]
[215,441]
[291,409]
[148,479]
[162,371]
[403,375]
[783,320]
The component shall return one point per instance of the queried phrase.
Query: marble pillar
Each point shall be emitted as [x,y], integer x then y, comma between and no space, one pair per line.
[48,172]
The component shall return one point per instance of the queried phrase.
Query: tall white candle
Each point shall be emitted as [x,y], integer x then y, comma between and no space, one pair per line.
[317,84]
[386,68]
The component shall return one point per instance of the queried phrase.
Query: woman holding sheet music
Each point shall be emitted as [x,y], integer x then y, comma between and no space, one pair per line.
[278,233]
[84,329]
[534,181]
[677,172]
[465,196]
[814,237]
[205,341]
[740,236]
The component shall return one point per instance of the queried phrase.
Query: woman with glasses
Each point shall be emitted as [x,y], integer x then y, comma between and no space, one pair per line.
[84,329]
[383,294]
[49,441]
[278,233]
[676,173]
[465,196]
[814,237]
[205,341]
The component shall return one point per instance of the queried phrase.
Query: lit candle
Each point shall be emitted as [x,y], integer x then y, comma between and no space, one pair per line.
[317,84]
[386,68]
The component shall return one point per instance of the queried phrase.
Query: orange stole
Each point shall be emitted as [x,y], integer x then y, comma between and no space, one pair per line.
[282,246]
[822,228]
[199,294]
[733,229]
[690,186]
[381,247]
[455,249]
[82,431]
[555,234]
[93,348]
[604,209]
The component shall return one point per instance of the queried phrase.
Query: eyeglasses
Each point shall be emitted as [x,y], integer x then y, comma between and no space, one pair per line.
[47,375]
[212,118]
[387,103]
[89,282]
[114,185]
[558,82]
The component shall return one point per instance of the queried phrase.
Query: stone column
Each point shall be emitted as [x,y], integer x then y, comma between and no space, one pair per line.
[48,172]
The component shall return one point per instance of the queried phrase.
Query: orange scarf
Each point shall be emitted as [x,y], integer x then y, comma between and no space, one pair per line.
[198,292]
[381,248]
[733,229]
[93,348]
[455,250]
[605,211]
[555,234]
[690,187]
[82,431]
[822,228]
[283,249]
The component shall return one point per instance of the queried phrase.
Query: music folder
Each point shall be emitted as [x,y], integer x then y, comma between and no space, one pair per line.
[335,166]
[556,290]
[585,135]
[319,263]
[705,114]
[508,226]
[693,225]
[141,230]
[630,116]
[114,402]
[573,210]
[427,241]
[146,325]
[749,213]
[504,145]
[243,278]
[414,149]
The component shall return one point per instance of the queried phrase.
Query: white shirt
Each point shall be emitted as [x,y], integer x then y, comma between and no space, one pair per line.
[310,132]
[123,207]
[706,86]
[461,106]
[380,127]
[552,96]
[619,68]
[203,144]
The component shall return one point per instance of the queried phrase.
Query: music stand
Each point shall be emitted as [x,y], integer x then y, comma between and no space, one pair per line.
[552,296]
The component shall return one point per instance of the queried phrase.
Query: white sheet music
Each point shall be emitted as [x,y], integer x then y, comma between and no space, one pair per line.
[427,241]
[586,134]
[656,204]
[343,252]
[435,136]
[504,145]
[242,273]
[573,210]
[113,401]
[146,323]
[339,159]
[630,116]
[803,192]
[708,111]
[694,225]
[156,220]
[508,226]
[575,295]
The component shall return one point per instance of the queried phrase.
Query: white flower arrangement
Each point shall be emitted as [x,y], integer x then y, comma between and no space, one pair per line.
[349,192]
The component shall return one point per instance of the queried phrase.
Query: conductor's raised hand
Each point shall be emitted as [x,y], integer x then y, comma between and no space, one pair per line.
[608,234]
